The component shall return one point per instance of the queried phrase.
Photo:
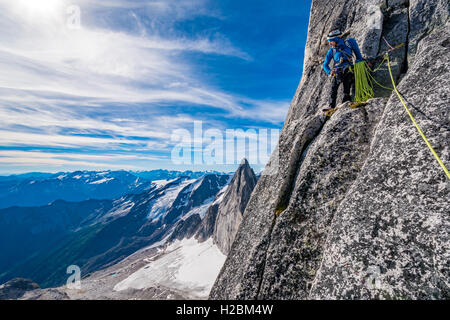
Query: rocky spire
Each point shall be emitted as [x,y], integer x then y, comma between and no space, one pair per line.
[225,214]
[231,209]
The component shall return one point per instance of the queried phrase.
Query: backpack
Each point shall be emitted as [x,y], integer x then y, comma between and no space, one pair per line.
[350,58]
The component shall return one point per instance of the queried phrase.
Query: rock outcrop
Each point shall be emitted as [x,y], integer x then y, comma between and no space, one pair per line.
[224,216]
[232,207]
[355,206]
[16,288]
[186,228]
[206,227]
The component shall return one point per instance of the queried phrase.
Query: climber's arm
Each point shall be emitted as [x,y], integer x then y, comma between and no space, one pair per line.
[326,64]
[356,50]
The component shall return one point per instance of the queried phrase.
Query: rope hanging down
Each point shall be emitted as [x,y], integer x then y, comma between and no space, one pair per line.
[363,83]
[414,121]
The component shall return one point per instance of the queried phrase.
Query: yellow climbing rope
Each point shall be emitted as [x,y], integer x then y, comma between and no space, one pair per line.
[414,121]
[372,78]
[363,84]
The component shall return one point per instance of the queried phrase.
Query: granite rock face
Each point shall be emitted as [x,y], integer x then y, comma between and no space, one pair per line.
[206,227]
[224,216]
[355,206]
[231,209]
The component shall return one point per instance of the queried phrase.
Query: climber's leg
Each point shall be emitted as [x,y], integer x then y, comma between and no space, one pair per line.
[334,91]
[349,80]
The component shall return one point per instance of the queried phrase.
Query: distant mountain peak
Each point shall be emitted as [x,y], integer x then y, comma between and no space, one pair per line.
[225,214]
[244,162]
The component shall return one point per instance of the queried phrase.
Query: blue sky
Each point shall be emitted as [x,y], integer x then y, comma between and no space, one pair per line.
[111,92]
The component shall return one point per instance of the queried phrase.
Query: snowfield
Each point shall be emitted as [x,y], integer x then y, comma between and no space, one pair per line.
[101,181]
[162,183]
[120,211]
[221,194]
[160,205]
[200,210]
[187,265]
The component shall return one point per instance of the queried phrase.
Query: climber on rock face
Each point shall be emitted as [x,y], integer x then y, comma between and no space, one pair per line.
[341,52]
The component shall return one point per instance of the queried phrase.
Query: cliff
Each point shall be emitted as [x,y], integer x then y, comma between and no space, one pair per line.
[362,203]
[225,215]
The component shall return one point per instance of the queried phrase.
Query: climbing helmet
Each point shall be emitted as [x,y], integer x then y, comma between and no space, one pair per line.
[333,34]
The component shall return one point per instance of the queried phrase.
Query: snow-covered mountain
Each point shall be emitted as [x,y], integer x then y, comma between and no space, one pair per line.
[156,245]
[189,260]
[38,189]
[186,266]
[170,174]
[40,242]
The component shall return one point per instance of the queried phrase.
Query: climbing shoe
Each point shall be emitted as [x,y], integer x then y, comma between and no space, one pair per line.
[357,104]
[329,111]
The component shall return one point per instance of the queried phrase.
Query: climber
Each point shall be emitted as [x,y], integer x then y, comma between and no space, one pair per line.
[341,52]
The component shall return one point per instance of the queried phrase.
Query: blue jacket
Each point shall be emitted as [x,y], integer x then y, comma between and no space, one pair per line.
[344,51]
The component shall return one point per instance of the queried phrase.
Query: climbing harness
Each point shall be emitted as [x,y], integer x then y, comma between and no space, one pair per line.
[348,56]
[414,121]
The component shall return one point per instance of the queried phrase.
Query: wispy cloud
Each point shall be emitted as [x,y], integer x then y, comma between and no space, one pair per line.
[105,85]
[59,161]
[77,156]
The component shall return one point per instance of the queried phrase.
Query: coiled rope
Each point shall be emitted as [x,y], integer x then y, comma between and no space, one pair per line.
[363,83]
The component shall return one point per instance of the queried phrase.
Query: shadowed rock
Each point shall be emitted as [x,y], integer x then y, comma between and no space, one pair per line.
[16,288]
[231,209]
[224,216]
